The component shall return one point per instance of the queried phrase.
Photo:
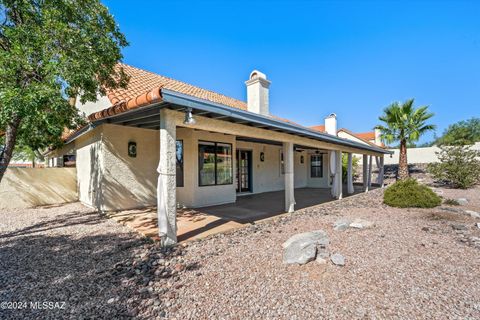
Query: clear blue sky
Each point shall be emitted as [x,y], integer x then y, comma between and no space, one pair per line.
[351,58]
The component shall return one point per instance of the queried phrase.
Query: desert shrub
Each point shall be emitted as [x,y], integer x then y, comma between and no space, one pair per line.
[345,167]
[451,202]
[409,193]
[459,166]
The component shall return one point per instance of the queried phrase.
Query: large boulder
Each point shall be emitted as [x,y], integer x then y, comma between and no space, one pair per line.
[302,248]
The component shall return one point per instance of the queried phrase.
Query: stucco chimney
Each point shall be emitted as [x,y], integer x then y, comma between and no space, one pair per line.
[378,140]
[257,93]
[331,124]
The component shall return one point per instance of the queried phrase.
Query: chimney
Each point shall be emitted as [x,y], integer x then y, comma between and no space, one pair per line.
[378,140]
[257,93]
[331,124]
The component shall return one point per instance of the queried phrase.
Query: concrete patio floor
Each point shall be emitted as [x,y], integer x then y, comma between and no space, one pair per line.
[202,222]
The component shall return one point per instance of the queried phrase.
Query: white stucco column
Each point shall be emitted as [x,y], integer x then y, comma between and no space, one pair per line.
[289,178]
[350,189]
[365,173]
[332,165]
[338,175]
[166,188]
[381,172]
[370,161]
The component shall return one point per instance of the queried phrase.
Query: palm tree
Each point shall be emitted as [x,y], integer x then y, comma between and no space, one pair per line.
[404,123]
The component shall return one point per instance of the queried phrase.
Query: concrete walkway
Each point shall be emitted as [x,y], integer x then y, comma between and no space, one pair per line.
[202,222]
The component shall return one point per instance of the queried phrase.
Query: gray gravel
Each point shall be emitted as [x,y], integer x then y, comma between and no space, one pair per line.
[412,264]
[90,266]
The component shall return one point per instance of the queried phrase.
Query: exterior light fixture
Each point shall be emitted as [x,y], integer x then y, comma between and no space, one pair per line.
[189,120]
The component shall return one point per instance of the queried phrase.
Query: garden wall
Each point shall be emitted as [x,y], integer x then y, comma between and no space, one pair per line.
[29,187]
[419,155]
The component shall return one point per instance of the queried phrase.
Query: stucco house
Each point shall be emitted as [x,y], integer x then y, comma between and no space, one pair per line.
[167,143]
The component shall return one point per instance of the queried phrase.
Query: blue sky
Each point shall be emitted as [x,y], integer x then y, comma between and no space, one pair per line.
[351,58]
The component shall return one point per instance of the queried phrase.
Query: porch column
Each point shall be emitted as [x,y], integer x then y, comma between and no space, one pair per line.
[289,179]
[365,173]
[381,172]
[332,165]
[350,189]
[166,188]
[338,175]
[370,172]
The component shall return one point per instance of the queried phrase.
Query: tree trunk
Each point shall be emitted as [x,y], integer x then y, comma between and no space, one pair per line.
[403,163]
[10,139]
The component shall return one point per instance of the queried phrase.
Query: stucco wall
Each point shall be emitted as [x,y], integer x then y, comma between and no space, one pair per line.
[129,182]
[419,155]
[29,187]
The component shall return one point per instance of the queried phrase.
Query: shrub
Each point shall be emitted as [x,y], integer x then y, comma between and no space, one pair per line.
[409,193]
[459,166]
[345,167]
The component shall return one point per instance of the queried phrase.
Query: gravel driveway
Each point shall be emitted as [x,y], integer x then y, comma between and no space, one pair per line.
[413,264]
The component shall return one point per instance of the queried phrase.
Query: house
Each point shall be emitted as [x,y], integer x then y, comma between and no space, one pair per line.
[167,143]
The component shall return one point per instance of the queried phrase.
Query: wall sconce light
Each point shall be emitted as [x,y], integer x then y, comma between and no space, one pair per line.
[302,160]
[189,120]
[132,149]
[262,156]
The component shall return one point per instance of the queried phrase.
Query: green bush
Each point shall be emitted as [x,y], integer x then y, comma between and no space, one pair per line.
[345,167]
[459,166]
[409,193]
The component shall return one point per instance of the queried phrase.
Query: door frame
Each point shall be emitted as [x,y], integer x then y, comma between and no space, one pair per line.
[250,170]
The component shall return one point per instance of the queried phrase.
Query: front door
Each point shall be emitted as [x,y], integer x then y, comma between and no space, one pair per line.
[244,171]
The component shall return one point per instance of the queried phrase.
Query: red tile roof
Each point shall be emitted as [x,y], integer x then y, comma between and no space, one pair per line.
[145,87]
[320,128]
[366,135]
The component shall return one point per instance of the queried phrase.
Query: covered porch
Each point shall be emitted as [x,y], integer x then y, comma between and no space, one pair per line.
[249,209]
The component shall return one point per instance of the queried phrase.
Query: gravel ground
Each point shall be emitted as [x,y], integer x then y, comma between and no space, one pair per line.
[412,264]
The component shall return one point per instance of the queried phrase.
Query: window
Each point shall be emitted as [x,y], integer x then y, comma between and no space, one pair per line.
[214,163]
[179,156]
[316,166]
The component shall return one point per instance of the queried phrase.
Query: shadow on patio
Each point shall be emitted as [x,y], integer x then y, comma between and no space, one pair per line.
[202,222]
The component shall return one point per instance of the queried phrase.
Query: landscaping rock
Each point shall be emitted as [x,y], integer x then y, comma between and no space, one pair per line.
[337,259]
[302,248]
[472,214]
[478,225]
[341,224]
[361,224]
[461,227]
[462,201]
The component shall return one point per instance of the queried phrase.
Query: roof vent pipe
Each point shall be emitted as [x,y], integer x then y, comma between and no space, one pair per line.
[331,124]
[257,93]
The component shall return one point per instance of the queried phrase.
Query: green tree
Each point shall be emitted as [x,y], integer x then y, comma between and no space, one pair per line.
[405,124]
[50,51]
[461,133]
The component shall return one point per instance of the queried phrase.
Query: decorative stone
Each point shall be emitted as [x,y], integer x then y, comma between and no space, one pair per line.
[341,224]
[462,201]
[320,260]
[361,224]
[459,227]
[472,214]
[302,248]
[478,225]
[337,259]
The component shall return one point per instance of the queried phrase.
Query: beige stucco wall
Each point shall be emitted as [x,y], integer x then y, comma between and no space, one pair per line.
[29,187]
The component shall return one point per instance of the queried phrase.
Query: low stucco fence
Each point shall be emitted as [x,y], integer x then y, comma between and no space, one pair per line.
[30,187]
[419,155]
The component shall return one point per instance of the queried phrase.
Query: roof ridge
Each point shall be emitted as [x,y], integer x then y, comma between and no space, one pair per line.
[181,82]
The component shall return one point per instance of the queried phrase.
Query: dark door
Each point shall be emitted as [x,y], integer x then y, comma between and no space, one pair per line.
[244,171]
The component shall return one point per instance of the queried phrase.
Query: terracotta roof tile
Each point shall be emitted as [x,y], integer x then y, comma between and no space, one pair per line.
[142,81]
[320,128]
[366,135]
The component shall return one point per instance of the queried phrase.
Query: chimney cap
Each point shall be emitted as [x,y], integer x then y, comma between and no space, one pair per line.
[257,74]
[331,115]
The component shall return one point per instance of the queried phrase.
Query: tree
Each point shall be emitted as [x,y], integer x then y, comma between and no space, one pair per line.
[405,124]
[461,133]
[51,51]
